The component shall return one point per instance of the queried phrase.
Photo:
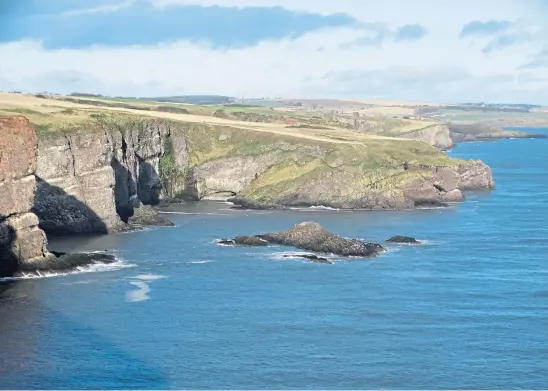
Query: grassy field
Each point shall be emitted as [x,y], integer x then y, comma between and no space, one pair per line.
[59,113]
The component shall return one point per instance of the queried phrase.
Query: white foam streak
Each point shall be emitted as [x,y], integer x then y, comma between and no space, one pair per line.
[140,294]
[92,268]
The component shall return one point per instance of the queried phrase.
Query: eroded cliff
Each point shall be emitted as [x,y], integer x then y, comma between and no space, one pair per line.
[92,177]
[265,170]
[21,239]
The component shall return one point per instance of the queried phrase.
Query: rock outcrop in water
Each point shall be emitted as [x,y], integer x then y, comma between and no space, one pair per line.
[64,262]
[403,240]
[312,236]
[146,215]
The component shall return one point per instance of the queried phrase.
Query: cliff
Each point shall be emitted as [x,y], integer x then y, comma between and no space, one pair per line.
[21,239]
[437,135]
[267,170]
[93,175]
[92,178]
[119,162]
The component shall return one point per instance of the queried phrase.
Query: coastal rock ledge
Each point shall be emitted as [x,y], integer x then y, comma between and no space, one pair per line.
[311,236]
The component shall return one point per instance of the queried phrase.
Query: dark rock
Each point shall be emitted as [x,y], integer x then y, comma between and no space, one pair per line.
[64,261]
[430,204]
[250,241]
[226,242]
[313,237]
[311,257]
[403,239]
[147,215]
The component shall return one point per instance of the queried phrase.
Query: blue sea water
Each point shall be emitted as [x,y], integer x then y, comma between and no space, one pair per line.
[468,309]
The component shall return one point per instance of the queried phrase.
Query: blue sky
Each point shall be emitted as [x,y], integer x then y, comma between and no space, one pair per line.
[421,50]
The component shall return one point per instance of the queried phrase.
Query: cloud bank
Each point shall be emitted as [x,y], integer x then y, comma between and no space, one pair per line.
[271,48]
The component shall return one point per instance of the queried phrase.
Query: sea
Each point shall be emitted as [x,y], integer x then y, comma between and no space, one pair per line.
[468,308]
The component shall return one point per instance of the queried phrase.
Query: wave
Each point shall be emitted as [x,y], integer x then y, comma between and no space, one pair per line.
[218,243]
[321,207]
[92,268]
[316,208]
[199,262]
[298,255]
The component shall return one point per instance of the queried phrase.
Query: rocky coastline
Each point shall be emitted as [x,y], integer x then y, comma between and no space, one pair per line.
[106,176]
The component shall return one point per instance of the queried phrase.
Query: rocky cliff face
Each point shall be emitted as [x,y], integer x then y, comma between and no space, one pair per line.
[91,179]
[261,171]
[20,237]
[75,183]
[135,148]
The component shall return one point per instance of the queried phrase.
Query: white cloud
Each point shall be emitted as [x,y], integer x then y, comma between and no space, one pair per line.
[322,63]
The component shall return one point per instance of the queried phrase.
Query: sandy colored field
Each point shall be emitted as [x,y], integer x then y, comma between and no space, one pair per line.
[54,111]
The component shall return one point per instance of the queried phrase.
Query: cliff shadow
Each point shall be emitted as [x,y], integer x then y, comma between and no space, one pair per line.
[130,192]
[149,184]
[125,190]
[9,260]
[62,213]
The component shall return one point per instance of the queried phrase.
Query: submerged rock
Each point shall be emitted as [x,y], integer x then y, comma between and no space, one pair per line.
[313,237]
[403,239]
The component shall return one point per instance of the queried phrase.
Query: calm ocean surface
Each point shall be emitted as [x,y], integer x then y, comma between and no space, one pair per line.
[469,309]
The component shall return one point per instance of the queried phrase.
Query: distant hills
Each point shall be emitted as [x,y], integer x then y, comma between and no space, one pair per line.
[188,99]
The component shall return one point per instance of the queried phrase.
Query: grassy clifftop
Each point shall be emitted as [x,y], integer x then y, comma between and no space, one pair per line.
[263,162]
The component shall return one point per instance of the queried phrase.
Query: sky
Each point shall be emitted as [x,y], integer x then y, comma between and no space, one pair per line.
[428,50]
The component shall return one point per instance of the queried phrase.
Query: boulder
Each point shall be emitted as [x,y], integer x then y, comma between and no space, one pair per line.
[147,215]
